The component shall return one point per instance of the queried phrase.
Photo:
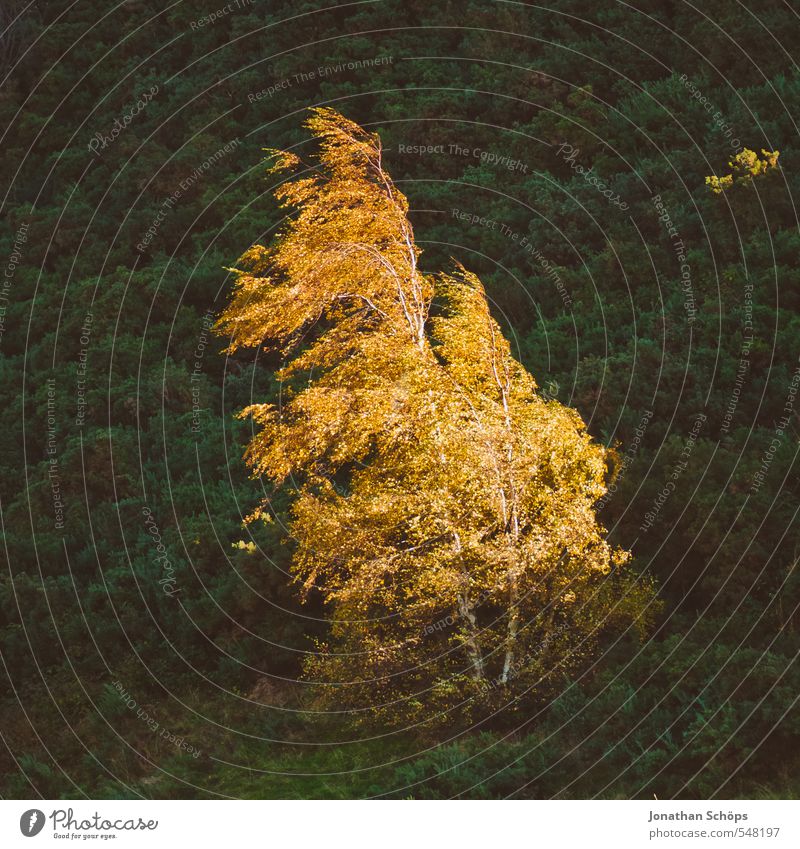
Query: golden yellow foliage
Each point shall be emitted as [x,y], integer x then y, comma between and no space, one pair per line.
[443,508]
[745,166]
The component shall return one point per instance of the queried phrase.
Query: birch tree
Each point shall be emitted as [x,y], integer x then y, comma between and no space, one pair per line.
[442,507]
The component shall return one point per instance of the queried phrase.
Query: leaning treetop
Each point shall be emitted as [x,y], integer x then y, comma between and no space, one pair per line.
[431,482]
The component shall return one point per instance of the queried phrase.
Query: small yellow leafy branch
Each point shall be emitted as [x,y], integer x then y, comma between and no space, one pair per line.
[745,165]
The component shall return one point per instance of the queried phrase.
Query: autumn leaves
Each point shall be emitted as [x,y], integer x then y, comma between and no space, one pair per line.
[431,482]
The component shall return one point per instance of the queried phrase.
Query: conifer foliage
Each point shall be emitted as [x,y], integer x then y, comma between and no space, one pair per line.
[442,507]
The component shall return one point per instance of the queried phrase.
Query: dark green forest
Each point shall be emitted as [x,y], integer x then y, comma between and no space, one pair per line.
[152,642]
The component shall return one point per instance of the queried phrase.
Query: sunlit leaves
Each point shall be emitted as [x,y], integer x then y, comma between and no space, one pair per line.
[442,508]
[744,167]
